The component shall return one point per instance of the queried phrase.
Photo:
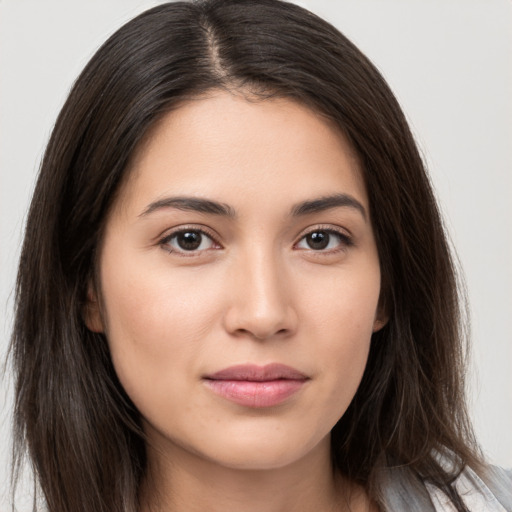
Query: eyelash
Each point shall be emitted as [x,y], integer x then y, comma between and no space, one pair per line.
[164,242]
[346,240]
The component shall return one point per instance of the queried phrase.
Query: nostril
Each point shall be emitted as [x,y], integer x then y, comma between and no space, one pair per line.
[261,334]
[260,314]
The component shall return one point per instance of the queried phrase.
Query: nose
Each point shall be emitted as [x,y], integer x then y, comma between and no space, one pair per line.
[260,304]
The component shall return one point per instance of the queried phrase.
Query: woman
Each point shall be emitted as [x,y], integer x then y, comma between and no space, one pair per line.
[235,291]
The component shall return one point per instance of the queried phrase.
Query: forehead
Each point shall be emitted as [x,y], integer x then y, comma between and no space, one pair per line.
[235,148]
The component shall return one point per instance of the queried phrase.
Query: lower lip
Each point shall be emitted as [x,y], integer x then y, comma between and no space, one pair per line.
[256,394]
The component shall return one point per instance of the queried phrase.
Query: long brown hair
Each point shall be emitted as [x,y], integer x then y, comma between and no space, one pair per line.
[80,429]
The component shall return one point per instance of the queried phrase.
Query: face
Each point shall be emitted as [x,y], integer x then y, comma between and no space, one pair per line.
[240,281]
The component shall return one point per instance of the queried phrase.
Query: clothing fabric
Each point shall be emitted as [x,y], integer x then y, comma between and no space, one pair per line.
[489,492]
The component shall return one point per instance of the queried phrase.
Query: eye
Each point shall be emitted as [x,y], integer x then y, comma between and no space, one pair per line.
[324,240]
[188,241]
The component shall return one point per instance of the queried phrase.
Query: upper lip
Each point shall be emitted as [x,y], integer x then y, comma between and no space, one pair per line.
[255,373]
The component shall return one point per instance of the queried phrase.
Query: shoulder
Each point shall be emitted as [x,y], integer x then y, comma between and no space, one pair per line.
[489,491]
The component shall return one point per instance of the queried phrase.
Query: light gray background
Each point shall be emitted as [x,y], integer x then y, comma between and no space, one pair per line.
[448,61]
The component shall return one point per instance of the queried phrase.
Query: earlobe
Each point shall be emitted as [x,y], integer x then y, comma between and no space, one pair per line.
[91,311]
[383,311]
[381,318]
[379,323]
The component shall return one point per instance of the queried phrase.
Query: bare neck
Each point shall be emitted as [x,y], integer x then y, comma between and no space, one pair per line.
[186,482]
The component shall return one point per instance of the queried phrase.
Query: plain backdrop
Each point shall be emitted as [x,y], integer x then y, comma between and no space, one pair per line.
[449,63]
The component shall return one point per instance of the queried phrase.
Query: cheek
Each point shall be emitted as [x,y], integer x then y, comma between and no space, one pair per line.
[344,305]
[155,327]
[342,319]
[148,304]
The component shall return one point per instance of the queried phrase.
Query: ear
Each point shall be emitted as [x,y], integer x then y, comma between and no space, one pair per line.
[381,317]
[379,323]
[91,311]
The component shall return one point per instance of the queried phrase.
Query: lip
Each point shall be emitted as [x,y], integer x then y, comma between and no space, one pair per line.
[256,386]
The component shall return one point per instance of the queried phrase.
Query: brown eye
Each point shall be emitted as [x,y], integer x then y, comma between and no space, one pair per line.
[326,240]
[188,240]
[318,240]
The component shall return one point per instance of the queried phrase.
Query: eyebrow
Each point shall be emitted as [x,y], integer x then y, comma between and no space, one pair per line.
[326,203]
[211,207]
[193,204]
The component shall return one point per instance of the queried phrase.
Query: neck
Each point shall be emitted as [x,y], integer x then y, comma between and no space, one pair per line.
[180,481]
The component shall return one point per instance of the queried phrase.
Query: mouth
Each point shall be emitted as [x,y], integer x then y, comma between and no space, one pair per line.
[256,386]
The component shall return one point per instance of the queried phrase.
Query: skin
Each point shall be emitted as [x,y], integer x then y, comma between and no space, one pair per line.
[254,291]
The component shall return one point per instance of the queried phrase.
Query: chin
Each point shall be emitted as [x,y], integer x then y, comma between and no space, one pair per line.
[264,451]
[256,459]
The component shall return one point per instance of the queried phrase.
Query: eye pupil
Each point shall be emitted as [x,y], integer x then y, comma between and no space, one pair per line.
[189,240]
[318,240]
